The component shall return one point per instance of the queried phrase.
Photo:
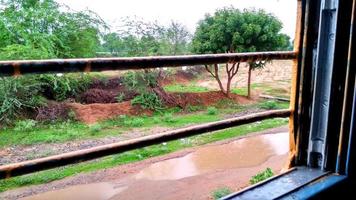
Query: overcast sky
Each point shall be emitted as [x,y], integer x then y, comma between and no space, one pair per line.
[187,12]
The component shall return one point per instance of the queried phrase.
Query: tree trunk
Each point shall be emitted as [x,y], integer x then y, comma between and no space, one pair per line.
[249,81]
[228,87]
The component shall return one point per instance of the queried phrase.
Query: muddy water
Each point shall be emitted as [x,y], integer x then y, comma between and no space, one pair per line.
[87,192]
[242,153]
[239,154]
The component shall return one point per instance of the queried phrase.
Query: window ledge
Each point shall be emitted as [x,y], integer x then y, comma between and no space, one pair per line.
[297,183]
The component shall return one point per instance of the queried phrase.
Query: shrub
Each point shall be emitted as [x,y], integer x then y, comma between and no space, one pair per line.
[97,96]
[212,111]
[140,81]
[134,122]
[148,101]
[19,96]
[54,111]
[168,117]
[60,87]
[262,176]
[95,128]
[25,125]
[221,192]
[269,105]
[120,97]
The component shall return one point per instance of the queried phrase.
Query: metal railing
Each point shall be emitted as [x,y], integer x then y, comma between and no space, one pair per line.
[9,68]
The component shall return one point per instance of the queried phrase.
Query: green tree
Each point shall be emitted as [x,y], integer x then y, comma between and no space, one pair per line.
[41,29]
[140,38]
[230,30]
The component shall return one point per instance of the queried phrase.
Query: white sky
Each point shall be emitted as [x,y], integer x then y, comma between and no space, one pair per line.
[187,12]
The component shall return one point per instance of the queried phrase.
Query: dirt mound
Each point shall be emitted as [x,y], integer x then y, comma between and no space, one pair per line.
[208,98]
[106,91]
[98,96]
[93,113]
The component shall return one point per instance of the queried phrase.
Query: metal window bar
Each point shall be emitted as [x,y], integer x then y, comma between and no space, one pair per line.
[9,68]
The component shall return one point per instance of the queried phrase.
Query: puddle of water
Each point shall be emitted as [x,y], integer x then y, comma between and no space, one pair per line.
[87,192]
[247,152]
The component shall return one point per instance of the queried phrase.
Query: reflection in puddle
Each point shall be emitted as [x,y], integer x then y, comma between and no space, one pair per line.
[87,192]
[242,153]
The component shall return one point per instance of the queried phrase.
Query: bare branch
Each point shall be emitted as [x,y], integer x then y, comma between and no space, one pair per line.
[207,69]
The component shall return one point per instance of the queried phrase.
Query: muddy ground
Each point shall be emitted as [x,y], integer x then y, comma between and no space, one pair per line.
[140,180]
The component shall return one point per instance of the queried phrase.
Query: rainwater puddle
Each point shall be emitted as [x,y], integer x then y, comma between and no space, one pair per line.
[243,153]
[87,192]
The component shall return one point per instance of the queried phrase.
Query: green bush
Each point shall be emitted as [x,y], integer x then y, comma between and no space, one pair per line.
[25,125]
[212,111]
[60,87]
[262,176]
[221,192]
[18,96]
[269,105]
[140,81]
[148,101]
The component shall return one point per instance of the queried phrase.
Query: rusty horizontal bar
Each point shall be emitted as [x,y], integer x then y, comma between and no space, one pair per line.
[9,68]
[27,167]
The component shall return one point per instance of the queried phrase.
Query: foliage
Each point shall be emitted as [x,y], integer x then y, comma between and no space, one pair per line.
[212,111]
[25,125]
[221,192]
[18,96]
[140,38]
[148,101]
[134,122]
[168,117]
[95,128]
[231,30]
[34,29]
[120,97]
[140,81]
[60,87]
[262,176]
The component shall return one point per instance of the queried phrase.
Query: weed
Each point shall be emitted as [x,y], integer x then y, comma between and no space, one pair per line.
[120,97]
[134,122]
[25,125]
[95,129]
[269,105]
[262,176]
[212,111]
[148,101]
[221,192]
[168,117]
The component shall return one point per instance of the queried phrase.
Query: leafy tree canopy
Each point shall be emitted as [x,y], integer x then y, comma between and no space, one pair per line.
[140,38]
[232,30]
[38,29]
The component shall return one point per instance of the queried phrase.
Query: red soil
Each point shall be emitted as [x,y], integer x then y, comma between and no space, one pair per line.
[93,113]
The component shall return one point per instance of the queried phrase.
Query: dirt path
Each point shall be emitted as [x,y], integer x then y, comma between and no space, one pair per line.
[141,181]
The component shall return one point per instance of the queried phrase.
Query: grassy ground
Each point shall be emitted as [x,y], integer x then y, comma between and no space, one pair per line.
[136,155]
